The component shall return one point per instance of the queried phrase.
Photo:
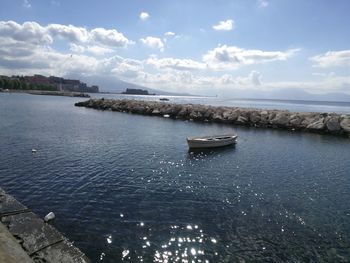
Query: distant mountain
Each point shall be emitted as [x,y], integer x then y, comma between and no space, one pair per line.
[113,85]
[289,94]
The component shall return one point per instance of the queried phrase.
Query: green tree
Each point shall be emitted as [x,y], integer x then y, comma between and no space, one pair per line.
[24,85]
[16,84]
[8,84]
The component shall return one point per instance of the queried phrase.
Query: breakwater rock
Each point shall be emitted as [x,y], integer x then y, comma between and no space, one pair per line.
[331,123]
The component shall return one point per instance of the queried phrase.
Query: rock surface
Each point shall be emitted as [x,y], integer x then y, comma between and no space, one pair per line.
[330,123]
[39,240]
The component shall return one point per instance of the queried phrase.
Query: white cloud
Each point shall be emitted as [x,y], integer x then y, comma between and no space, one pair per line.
[109,37]
[30,32]
[76,48]
[144,16]
[198,84]
[263,3]
[332,59]
[175,63]
[97,50]
[231,57]
[169,33]
[70,32]
[153,42]
[224,25]
[26,4]
[128,68]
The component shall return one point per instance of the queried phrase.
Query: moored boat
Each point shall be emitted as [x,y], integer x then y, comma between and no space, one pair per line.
[211,141]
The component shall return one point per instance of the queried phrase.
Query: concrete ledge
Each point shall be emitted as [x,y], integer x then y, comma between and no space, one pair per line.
[39,241]
[10,250]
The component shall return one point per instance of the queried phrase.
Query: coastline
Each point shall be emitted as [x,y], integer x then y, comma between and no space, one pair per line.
[323,123]
[49,93]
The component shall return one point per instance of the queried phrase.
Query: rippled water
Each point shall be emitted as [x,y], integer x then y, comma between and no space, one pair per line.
[126,188]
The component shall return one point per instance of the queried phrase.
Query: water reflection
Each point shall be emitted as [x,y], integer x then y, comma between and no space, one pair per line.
[178,243]
[202,153]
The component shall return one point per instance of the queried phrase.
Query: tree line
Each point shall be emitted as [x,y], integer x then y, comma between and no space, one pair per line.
[20,84]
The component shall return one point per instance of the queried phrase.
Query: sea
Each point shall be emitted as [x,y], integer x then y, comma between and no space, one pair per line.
[126,188]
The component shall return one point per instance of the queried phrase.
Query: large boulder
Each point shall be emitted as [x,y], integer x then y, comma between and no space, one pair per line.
[345,123]
[208,114]
[226,114]
[255,116]
[196,115]
[217,116]
[242,120]
[184,112]
[233,115]
[156,112]
[308,118]
[264,117]
[317,125]
[333,124]
[281,119]
[295,121]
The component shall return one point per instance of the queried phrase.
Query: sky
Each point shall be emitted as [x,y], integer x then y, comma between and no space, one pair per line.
[205,47]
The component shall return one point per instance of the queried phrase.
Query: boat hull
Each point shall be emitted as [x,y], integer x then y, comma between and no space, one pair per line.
[211,142]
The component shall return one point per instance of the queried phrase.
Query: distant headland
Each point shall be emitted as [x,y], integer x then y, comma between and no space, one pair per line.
[43,83]
[137,92]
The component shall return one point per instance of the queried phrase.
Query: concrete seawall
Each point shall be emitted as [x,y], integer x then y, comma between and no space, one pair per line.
[329,123]
[25,237]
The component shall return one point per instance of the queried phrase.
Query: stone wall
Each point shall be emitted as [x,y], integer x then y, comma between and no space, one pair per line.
[331,123]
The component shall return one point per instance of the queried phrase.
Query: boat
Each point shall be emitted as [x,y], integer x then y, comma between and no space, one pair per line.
[164,99]
[211,141]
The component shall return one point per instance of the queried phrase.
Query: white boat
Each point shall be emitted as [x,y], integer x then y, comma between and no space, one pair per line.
[211,141]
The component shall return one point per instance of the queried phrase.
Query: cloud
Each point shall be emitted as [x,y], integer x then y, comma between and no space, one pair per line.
[128,68]
[224,25]
[201,84]
[255,78]
[32,32]
[26,4]
[263,3]
[169,33]
[76,48]
[109,37]
[332,59]
[153,42]
[144,16]
[175,63]
[95,50]
[70,32]
[231,57]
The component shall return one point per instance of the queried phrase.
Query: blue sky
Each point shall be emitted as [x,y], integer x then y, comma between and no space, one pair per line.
[203,47]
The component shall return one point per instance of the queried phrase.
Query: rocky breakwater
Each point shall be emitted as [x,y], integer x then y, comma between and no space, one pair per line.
[331,123]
